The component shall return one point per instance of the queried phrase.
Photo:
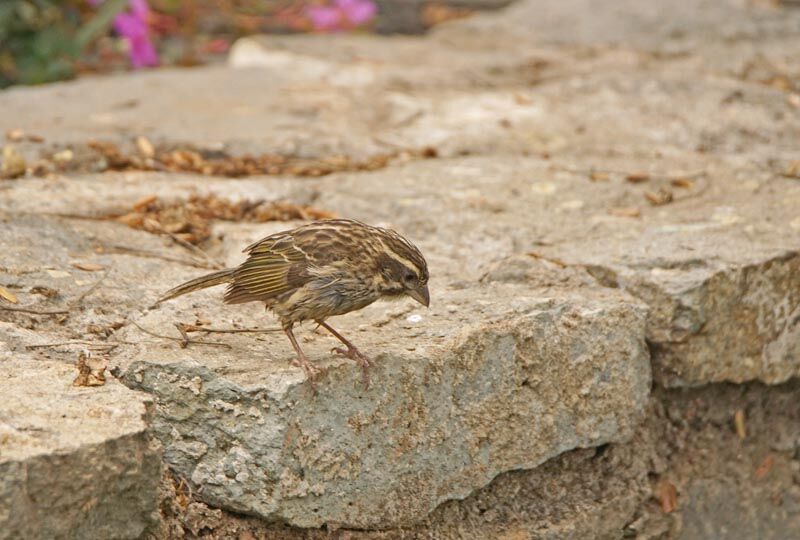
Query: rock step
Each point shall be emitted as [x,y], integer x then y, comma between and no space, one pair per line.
[74,462]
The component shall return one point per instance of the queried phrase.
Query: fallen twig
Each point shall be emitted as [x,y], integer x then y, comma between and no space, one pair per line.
[86,343]
[91,344]
[72,305]
[664,176]
[78,301]
[180,339]
[36,311]
[184,335]
[193,328]
[215,265]
[153,255]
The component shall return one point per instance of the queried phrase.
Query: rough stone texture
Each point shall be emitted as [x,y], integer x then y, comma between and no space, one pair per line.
[540,241]
[74,462]
[496,376]
[730,487]
[726,487]
[513,384]
[588,493]
[744,315]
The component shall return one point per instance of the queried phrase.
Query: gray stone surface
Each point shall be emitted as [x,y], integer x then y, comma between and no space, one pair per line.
[455,400]
[74,462]
[587,493]
[495,376]
[726,486]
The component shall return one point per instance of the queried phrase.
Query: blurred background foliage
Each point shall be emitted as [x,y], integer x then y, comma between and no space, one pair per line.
[38,39]
[48,40]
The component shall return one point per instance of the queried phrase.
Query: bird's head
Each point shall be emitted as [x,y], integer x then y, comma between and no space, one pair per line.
[402,269]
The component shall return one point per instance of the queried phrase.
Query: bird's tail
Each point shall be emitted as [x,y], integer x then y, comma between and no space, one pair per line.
[203,282]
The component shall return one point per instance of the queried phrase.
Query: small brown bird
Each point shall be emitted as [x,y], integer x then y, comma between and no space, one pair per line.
[319,270]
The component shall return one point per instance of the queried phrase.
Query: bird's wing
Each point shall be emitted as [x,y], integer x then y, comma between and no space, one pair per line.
[275,266]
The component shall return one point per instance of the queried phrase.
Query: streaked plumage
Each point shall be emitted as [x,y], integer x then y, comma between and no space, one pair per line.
[320,270]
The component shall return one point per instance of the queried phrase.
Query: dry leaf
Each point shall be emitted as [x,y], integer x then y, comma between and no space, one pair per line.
[182,495]
[682,183]
[738,423]
[667,496]
[630,212]
[637,177]
[88,267]
[64,156]
[554,260]
[13,165]
[47,292]
[663,196]
[91,370]
[108,156]
[5,294]
[133,220]
[15,135]
[521,99]
[599,176]
[144,202]
[780,82]
[765,467]
[145,147]
[793,170]
[190,220]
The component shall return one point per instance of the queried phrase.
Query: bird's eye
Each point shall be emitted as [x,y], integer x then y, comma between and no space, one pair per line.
[409,278]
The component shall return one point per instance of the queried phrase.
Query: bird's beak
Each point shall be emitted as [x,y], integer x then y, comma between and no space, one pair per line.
[421,295]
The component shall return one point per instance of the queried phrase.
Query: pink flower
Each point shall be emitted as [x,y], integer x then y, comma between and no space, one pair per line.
[342,15]
[133,27]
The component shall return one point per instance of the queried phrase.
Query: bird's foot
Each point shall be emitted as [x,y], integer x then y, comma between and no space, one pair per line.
[360,358]
[312,371]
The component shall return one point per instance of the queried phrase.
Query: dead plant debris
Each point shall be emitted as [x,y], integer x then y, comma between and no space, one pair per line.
[630,212]
[88,267]
[13,164]
[18,135]
[47,292]
[659,198]
[793,170]
[190,220]
[91,369]
[683,183]
[739,425]
[765,467]
[637,177]
[667,495]
[99,156]
[7,295]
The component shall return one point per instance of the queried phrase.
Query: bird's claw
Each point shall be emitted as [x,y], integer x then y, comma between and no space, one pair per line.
[360,358]
[311,371]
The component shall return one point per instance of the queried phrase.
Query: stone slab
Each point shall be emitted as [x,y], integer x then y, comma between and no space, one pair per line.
[444,414]
[74,462]
[506,381]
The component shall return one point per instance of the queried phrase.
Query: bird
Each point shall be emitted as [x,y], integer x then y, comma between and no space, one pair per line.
[319,270]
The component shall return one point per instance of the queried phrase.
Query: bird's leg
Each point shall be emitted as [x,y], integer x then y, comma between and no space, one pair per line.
[352,352]
[302,360]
